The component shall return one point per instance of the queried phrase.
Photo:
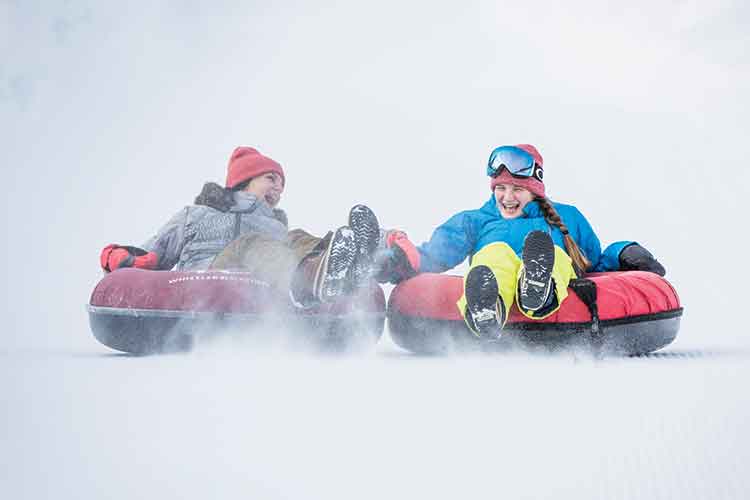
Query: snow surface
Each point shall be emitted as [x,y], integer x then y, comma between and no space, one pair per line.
[223,423]
[111,119]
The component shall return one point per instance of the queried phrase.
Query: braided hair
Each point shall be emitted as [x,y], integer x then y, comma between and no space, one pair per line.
[580,262]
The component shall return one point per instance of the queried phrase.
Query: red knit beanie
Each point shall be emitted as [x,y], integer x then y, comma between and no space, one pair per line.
[246,163]
[536,186]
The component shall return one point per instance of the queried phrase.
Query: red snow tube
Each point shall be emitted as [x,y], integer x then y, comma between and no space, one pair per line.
[144,312]
[635,312]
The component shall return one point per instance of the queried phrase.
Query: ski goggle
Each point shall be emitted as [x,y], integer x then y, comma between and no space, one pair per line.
[516,161]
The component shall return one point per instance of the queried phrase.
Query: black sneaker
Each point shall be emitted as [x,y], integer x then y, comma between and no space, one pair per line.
[366,230]
[485,311]
[535,285]
[334,267]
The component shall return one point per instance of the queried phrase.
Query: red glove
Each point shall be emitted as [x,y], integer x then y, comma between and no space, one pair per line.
[401,262]
[116,256]
[399,239]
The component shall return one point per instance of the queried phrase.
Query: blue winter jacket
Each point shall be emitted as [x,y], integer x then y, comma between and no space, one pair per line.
[467,232]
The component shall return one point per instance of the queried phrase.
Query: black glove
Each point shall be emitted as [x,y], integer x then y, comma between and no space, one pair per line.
[636,258]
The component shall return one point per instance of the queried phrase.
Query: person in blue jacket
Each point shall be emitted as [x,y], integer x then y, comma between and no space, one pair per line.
[521,246]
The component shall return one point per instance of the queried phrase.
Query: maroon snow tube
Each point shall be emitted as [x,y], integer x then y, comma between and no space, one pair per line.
[633,313]
[145,312]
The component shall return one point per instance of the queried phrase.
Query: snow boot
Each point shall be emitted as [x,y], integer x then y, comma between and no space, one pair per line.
[322,274]
[535,285]
[485,311]
[366,230]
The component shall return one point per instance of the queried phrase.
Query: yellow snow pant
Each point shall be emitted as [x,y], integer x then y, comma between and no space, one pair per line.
[508,269]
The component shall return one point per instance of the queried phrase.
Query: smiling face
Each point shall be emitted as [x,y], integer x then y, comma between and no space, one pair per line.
[268,187]
[511,199]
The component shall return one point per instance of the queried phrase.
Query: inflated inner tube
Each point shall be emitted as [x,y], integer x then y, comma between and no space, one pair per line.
[146,312]
[634,312]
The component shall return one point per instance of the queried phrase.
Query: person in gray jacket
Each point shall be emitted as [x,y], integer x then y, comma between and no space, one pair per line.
[239,227]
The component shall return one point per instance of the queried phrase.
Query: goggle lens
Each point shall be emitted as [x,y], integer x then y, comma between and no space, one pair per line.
[517,161]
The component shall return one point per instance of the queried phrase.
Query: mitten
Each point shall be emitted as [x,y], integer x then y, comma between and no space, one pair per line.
[636,258]
[399,260]
[115,256]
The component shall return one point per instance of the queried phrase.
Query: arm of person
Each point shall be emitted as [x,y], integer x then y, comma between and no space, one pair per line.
[610,260]
[399,259]
[160,252]
[623,255]
[169,241]
[449,245]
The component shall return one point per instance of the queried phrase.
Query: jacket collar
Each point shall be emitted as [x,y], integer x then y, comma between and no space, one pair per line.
[531,210]
[248,202]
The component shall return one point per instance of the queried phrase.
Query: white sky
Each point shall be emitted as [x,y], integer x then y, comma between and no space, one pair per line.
[112,117]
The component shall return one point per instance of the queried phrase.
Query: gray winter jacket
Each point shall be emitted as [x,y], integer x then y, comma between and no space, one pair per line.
[196,234]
